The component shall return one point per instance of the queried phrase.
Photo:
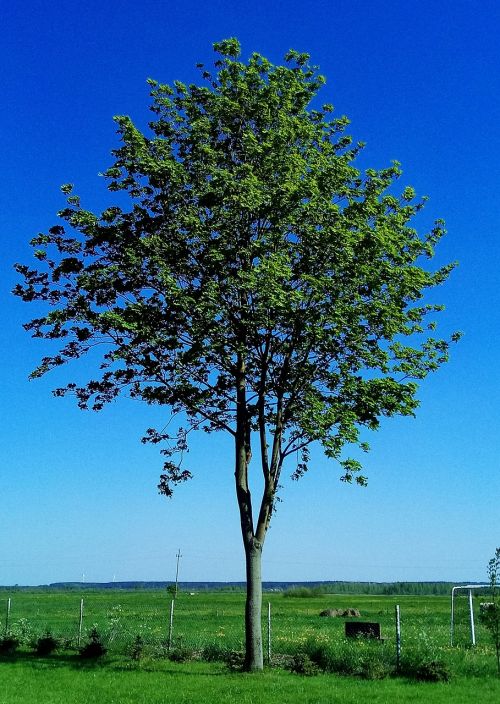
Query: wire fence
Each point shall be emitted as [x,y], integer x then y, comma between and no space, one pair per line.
[213,623]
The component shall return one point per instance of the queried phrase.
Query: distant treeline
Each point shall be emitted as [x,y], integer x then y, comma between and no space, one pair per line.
[289,589]
[375,588]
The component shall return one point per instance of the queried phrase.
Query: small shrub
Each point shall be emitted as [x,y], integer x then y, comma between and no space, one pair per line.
[137,648]
[425,669]
[8,645]
[433,671]
[490,614]
[214,652]
[94,648]
[114,623]
[302,664]
[160,650]
[318,653]
[22,631]
[354,658]
[374,669]
[45,645]
[234,660]
[180,654]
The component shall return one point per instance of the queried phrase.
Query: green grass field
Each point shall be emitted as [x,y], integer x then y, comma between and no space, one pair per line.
[218,617]
[216,620]
[118,682]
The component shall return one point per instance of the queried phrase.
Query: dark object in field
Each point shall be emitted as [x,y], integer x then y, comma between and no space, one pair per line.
[45,645]
[94,648]
[365,629]
[8,645]
[351,613]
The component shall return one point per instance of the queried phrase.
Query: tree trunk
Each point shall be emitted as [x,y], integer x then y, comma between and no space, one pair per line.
[254,657]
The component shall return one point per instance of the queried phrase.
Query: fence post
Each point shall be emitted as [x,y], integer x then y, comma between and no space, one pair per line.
[269,633]
[171,625]
[80,624]
[7,617]
[471,616]
[398,638]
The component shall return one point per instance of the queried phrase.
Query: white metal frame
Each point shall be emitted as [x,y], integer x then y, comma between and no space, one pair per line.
[470,587]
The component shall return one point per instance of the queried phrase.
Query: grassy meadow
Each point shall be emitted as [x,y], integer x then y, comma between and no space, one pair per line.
[52,681]
[211,625]
[206,617]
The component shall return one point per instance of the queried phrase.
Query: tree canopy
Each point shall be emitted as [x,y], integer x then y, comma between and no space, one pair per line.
[258,283]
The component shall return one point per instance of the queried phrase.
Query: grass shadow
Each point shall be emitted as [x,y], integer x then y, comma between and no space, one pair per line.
[115,664]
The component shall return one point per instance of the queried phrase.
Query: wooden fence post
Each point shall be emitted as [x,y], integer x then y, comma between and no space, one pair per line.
[398,638]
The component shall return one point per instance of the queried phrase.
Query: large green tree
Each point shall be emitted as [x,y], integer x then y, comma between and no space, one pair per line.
[257,282]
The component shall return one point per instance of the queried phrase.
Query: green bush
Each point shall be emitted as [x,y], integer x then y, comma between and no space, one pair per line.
[490,613]
[302,664]
[137,648]
[373,669]
[180,653]
[215,652]
[356,658]
[94,647]
[433,671]
[22,631]
[319,653]
[45,645]
[8,645]
[415,667]
[235,660]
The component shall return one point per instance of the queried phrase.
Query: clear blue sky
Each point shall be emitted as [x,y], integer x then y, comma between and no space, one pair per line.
[421,84]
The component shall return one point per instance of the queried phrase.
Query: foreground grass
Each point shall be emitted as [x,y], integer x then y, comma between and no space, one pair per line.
[118,681]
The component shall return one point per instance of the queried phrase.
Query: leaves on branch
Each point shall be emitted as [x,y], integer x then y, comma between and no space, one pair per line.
[254,256]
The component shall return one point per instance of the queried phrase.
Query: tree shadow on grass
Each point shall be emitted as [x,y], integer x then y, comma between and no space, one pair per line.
[52,660]
[113,664]
[201,669]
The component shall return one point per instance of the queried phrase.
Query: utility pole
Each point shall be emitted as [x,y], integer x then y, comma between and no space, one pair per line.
[177,572]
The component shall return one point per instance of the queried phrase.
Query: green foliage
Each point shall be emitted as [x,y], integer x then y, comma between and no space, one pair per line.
[246,214]
[356,658]
[23,631]
[137,648]
[490,612]
[369,660]
[46,644]
[374,669]
[215,652]
[180,653]
[235,660]
[113,623]
[94,647]
[8,645]
[302,664]
[424,666]
[432,671]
